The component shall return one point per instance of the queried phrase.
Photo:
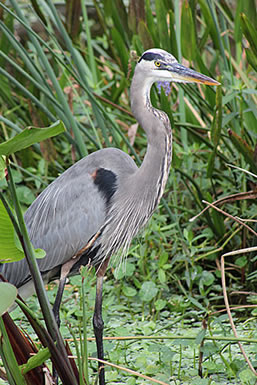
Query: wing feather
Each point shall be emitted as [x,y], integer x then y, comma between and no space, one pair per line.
[68,212]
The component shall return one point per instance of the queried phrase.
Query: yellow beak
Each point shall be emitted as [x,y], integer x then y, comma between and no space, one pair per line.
[183,74]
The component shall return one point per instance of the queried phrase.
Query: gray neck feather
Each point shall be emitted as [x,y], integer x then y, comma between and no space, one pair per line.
[153,173]
[142,190]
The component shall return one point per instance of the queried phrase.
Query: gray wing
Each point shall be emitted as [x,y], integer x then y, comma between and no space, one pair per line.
[69,212]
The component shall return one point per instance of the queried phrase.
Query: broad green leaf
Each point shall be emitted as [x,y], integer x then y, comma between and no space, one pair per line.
[9,250]
[160,304]
[25,195]
[148,291]
[129,291]
[163,259]
[40,253]
[130,269]
[29,136]
[124,271]
[241,261]
[8,295]
[247,376]
[207,278]
[162,275]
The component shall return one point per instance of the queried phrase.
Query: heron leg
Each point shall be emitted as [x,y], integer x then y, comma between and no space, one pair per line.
[98,322]
[56,311]
[58,300]
[65,270]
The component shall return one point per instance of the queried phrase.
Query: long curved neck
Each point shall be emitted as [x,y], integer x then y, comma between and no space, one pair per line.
[153,173]
[139,192]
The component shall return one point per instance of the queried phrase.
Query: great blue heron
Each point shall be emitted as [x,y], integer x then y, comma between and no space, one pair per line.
[100,203]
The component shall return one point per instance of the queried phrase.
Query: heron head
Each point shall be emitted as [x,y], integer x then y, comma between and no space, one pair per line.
[160,65]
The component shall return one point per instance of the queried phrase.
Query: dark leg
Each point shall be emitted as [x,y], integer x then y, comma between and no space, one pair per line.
[98,322]
[99,326]
[58,300]
[56,311]
[65,270]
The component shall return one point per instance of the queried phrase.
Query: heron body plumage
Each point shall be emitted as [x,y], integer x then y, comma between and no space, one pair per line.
[70,211]
[100,203]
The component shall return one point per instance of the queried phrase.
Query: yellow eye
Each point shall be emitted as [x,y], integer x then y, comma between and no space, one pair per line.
[157,63]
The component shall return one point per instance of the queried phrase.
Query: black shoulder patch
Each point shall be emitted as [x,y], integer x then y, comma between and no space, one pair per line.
[150,56]
[105,180]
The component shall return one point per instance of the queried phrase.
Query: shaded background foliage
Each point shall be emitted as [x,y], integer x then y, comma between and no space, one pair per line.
[73,62]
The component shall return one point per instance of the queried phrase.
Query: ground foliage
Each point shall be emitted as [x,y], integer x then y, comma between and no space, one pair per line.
[75,65]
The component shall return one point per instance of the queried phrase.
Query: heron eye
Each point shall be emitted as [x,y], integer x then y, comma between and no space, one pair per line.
[157,63]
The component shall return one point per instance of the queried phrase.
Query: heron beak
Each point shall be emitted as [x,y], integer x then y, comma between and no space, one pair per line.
[183,74]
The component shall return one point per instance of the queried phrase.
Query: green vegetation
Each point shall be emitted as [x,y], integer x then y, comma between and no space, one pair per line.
[75,66]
